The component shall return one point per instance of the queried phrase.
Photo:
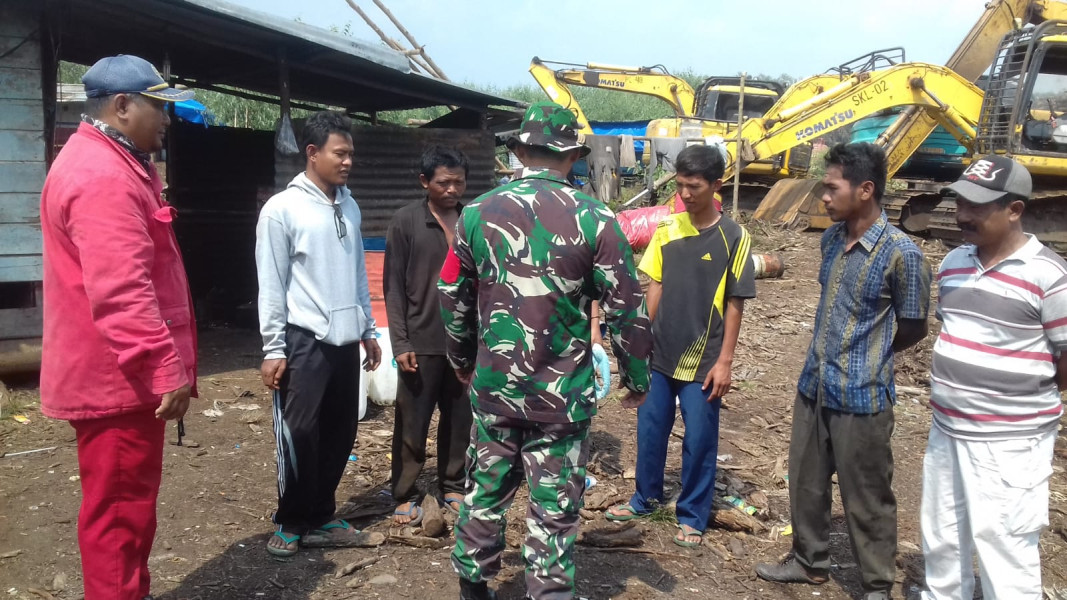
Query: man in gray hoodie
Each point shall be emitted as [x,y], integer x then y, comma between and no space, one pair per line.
[314,309]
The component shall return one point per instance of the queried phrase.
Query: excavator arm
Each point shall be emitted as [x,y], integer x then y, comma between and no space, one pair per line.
[558,92]
[650,81]
[970,60]
[952,100]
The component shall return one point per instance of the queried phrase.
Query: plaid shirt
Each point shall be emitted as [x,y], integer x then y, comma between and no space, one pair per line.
[865,290]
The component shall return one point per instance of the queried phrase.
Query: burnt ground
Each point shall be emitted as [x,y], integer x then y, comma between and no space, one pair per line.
[218,493]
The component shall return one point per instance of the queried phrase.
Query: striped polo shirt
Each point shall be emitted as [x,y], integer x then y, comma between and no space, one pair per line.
[994,367]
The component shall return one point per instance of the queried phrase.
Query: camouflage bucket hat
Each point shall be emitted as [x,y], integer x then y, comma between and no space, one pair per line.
[549,124]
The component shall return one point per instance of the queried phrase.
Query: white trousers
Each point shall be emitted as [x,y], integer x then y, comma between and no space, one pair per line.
[990,498]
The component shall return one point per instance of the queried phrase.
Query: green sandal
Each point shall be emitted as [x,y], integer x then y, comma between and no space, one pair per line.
[327,536]
[628,508]
[687,531]
[289,538]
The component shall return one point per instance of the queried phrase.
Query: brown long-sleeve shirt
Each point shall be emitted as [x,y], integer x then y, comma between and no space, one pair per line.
[415,249]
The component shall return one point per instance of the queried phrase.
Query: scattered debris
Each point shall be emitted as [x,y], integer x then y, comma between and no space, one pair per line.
[355,566]
[758,499]
[24,452]
[59,582]
[384,579]
[418,541]
[624,536]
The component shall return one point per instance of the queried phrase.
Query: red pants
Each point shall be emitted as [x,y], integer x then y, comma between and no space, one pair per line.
[121,461]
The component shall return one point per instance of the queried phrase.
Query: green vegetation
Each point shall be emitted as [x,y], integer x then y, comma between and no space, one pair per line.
[663,514]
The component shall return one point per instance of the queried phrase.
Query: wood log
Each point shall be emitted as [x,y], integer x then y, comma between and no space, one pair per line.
[734,520]
[433,524]
[355,566]
[418,541]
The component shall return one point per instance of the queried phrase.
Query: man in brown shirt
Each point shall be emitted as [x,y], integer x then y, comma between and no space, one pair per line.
[418,239]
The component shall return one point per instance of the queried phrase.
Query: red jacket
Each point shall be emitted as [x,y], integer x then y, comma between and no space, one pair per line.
[118,319]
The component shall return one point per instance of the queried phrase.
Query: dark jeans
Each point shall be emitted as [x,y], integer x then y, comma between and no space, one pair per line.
[857,447]
[316,412]
[655,419]
[417,394]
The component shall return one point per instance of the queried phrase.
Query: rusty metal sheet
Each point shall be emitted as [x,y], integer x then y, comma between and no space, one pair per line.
[385,169]
[795,203]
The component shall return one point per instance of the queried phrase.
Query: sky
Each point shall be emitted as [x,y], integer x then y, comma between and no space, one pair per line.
[491,42]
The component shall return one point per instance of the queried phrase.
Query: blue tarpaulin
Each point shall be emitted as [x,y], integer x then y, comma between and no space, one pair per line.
[634,128]
[194,112]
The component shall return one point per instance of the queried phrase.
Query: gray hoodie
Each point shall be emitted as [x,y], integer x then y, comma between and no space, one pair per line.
[307,276]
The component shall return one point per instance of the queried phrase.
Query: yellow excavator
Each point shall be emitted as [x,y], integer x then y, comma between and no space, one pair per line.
[999,35]
[1022,114]
[708,112]
[711,110]
[716,101]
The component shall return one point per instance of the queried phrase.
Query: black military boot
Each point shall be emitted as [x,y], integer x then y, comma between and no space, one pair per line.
[469,590]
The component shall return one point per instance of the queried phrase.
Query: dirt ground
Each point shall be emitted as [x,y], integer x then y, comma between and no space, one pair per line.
[218,492]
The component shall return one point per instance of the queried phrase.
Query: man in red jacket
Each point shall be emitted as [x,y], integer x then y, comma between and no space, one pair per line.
[119,338]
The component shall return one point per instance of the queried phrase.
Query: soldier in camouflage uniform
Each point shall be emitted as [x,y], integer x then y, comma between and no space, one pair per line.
[528,259]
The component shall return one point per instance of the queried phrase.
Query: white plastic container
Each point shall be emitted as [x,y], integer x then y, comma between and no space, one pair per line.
[381,383]
[364,380]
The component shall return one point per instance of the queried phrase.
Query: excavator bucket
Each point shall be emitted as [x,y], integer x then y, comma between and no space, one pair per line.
[794,203]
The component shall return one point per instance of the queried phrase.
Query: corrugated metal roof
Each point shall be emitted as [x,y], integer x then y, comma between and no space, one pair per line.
[219,43]
[323,37]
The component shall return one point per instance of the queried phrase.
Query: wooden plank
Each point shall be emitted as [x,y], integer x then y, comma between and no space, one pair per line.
[22,115]
[22,146]
[18,323]
[22,176]
[21,268]
[20,208]
[20,238]
[20,84]
[26,56]
[19,17]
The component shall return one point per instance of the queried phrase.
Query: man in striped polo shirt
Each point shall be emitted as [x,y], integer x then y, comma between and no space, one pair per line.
[999,365]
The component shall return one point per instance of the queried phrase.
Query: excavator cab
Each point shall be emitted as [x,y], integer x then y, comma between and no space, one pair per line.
[1044,126]
[718,98]
[1023,116]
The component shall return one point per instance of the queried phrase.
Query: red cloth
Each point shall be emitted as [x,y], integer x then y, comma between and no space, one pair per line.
[120,460]
[639,224]
[118,319]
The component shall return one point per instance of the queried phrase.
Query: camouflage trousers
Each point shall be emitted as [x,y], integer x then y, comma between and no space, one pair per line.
[552,458]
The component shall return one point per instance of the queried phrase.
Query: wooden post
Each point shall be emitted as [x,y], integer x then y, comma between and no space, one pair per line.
[169,174]
[283,81]
[737,160]
[436,70]
[416,63]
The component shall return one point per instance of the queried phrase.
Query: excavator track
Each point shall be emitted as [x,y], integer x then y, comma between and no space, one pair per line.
[911,208]
[749,195]
[1045,217]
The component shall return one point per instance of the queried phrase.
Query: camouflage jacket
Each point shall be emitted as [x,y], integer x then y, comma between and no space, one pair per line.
[527,260]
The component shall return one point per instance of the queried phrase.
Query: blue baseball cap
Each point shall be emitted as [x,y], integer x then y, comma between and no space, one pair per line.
[125,74]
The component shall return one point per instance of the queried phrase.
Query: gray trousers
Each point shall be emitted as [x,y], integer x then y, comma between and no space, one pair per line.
[857,447]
